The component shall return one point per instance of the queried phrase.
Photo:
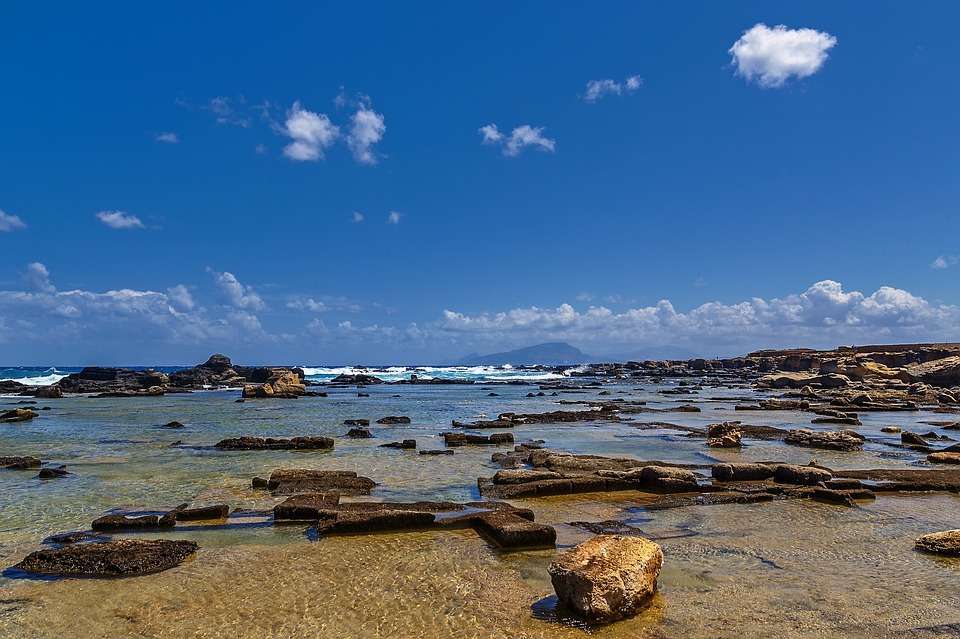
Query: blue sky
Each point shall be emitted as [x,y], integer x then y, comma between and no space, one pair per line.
[310,182]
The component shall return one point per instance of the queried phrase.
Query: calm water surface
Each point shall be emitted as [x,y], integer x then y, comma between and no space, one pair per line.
[792,568]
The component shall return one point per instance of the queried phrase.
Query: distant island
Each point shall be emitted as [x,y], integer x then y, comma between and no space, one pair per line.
[549,353]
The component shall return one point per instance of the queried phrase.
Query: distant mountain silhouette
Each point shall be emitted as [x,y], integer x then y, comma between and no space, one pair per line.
[551,353]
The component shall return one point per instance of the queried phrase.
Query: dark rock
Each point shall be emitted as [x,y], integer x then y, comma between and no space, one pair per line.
[269,443]
[437,451]
[172,425]
[742,472]
[290,481]
[122,522]
[356,379]
[19,463]
[307,507]
[356,422]
[463,439]
[122,558]
[52,473]
[359,433]
[803,475]
[394,419]
[912,439]
[407,444]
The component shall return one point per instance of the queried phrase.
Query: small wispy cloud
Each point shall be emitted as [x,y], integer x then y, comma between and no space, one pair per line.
[168,137]
[944,261]
[238,294]
[9,222]
[520,138]
[312,133]
[772,55]
[597,89]
[231,111]
[366,129]
[357,217]
[393,217]
[119,220]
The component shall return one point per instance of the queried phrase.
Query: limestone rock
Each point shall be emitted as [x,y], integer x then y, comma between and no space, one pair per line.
[122,558]
[608,577]
[941,543]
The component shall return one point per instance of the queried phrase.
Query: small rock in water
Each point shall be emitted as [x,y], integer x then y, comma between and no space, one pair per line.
[359,433]
[173,424]
[406,444]
[941,543]
[52,473]
[394,419]
[607,578]
[17,415]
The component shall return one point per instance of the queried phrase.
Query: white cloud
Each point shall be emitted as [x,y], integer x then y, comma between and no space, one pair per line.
[225,111]
[10,222]
[823,315]
[520,138]
[357,217]
[312,133]
[38,278]
[237,294]
[771,56]
[490,133]
[597,89]
[307,304]
[393,217]
[120,220]
[167,136]
[366,129]
[944,261]
[180,297]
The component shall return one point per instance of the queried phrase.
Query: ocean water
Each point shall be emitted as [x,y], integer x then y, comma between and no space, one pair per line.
[788,569]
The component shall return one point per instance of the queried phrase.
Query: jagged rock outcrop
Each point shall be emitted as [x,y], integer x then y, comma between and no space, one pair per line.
[281,383]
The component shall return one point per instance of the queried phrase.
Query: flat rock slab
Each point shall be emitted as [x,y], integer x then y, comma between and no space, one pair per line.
[826,440]
[306,507]
[302,480]
[218,511]
[465,439]
[394,419]
[143,522]
[19,463]
[122,558]
[270,443]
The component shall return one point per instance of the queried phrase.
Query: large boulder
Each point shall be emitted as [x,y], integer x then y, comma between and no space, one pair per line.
[608,577]
[122,558]
[724,435]
[941,543]
[281,383]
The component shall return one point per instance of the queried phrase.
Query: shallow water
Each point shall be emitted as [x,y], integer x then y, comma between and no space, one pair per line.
[793,568]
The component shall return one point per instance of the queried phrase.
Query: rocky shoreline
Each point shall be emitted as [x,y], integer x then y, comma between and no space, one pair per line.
[837,391]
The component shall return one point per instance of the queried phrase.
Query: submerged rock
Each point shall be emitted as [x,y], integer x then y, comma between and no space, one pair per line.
[941,543]
[19,463]
[463,439]
[394,419]
[359,433]
[218,511]
[122,558]
[53,473]
[608,577]
[407,444]
[17,415]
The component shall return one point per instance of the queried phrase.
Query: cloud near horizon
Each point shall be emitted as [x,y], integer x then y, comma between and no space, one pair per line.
[145,321]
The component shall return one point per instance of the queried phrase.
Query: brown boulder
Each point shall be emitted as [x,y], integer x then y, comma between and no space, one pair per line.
[941,543]
[608,577]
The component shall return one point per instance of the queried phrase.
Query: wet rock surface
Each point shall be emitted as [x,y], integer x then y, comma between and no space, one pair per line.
[17,415]
[121,558]
[19,462]
[271,443]
[300,480]
[941,543]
